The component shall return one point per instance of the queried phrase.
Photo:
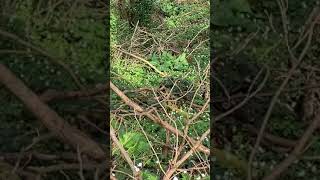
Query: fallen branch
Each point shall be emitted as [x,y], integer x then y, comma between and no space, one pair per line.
[154,118]
[263,94]
[57,125]
[50,94]
[58,167]
[125,98]
[297,151]
[272,138]
[175,166]
[124,153]
[39,156]
[163,74]
[278,93]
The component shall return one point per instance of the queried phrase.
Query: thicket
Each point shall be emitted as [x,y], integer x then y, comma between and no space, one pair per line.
[266,84]
[161,63]
[53,91]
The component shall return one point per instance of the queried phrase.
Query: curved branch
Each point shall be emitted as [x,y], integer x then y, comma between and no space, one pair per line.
[56,124]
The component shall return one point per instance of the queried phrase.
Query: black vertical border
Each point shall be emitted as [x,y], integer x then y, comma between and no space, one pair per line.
[211,156]
[107,68]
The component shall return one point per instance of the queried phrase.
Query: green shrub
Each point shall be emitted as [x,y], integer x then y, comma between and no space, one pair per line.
[141,10]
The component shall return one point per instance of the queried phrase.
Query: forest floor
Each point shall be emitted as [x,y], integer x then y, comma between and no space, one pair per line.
[264,74]
[162,66]
[266,84]
[53,90]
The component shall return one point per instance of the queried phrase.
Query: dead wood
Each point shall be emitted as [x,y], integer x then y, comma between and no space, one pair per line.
[51,94]
[56,124]
[297,151]
[155,119]
[273,138]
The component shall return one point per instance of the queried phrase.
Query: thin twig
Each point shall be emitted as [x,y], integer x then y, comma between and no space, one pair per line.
[124,153]
[275,98]
[145,61]
[80,164]
[43,52]
[186,156]
[297,151]
[249,96]
[154,118]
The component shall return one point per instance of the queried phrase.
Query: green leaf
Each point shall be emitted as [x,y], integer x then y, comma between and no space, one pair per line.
[186,177]
[149,176]
[240,6]
[228,12]
[135,143]
[222,15]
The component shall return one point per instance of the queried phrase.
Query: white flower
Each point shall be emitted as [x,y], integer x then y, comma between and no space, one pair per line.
[203,175]
[136,168]
[139,164]
[113,174]
[175,178]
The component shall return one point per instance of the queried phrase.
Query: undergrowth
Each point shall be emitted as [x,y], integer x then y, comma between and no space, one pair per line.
[172,54]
